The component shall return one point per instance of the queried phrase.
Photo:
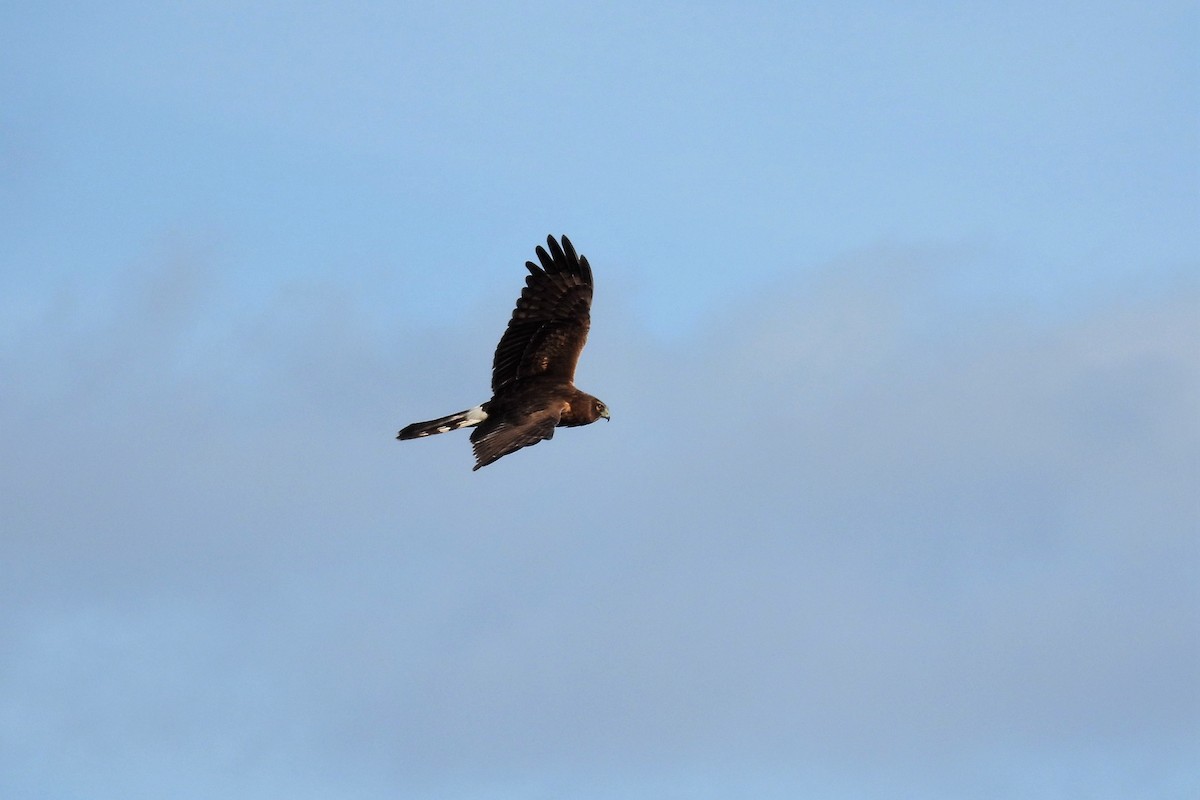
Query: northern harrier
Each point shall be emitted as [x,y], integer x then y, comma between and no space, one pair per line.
[533,371]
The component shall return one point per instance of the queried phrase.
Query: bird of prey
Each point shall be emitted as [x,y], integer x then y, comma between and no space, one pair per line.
[533,371]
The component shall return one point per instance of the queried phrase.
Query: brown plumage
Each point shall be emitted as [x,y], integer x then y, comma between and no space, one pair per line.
[533,371]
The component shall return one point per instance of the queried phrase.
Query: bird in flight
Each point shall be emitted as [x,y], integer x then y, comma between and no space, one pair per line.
[533,371]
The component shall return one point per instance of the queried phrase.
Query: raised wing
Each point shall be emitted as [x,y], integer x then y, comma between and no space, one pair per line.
[549,326]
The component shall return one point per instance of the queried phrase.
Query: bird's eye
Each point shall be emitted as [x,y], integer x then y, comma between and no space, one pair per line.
[599,406]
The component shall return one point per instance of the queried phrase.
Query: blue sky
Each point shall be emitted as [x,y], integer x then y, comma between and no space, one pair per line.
[896,312]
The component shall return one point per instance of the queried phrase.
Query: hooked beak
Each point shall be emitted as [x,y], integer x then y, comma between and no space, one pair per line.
[604,414]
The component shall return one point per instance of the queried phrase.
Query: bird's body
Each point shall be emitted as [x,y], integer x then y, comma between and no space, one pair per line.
[533,371]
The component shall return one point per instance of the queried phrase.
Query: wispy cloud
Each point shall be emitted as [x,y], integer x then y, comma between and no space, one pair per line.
[822,537]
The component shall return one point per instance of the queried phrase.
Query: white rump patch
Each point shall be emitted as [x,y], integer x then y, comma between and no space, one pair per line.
[474,416]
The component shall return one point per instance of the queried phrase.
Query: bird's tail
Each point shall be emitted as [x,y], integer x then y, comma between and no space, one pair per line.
[463,419]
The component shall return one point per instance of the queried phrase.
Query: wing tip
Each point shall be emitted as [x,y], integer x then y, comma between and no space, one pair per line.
[556,257]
